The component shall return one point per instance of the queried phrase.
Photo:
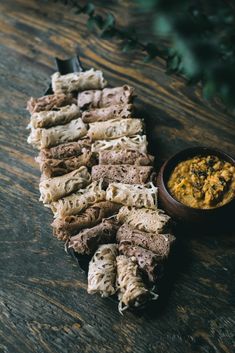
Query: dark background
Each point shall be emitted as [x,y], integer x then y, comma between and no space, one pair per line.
[44,306]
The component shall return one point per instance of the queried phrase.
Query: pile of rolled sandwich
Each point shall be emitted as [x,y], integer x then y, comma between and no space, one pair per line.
[98,180]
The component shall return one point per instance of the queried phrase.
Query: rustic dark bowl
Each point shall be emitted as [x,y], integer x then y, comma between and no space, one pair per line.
[185,214]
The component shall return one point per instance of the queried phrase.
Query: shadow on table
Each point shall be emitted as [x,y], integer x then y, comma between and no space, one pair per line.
[179,263]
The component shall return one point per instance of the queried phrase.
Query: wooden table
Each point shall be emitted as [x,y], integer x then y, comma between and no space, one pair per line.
[44,306]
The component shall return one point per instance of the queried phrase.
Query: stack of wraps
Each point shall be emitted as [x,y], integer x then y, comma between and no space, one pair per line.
[98,180]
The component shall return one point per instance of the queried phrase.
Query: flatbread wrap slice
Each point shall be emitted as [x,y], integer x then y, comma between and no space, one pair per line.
[102,271]
[115,128]
[50,102]
[62,115]
[78,81]
[132,291]
[159,244]
[127,174]
[137,143]
[42,138]
[144,219]
[65,150]
[78,201]
[125,156]
[105,98]
[133,195]
[118,111]
[53,189]
[67,226]
[147,261]
[88,240]
[56,167]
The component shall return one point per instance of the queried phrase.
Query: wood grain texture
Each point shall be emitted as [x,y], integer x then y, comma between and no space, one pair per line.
[44,306]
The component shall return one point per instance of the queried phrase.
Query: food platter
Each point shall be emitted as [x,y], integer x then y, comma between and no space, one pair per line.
[98,180]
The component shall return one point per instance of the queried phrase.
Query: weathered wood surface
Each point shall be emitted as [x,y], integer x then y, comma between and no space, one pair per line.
[44,306]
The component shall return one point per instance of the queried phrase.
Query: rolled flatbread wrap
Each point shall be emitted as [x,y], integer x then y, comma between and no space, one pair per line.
[137,143]
[77,81]
[159,244]
[52,189]
[79,200]
[119,111]
[50,102]
[125,156]
[65,227]
[133,195]
[132,291]
[65,150]
[127,174]
[56,167]
[41,138]
[152,221]
[62,115]
[102,271]
[88,240]
[106,97]
[146,259]
[113,129]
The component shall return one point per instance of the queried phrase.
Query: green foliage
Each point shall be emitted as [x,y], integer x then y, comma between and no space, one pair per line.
[200,36]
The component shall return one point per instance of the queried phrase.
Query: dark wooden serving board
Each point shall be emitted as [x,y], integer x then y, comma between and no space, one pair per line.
[44,306]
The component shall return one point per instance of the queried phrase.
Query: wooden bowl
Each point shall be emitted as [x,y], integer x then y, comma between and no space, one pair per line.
[186,214]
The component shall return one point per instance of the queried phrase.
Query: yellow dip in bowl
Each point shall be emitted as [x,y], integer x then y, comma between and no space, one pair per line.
[203,182]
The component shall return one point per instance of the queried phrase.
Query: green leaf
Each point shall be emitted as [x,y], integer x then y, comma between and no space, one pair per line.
[162,25]
[147,5]
[129,46]
[171,52]
[173,64]
[209,90]
[91,23]
[196,38]
[109,22]
[89,9]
